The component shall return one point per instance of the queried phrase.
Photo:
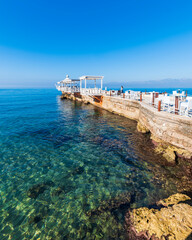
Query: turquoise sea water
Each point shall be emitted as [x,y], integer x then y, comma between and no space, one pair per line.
[70,170]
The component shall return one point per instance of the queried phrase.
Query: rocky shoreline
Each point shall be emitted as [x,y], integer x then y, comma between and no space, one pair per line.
[170,219]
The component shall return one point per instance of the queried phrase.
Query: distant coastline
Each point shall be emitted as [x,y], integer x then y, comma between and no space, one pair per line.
[148,84]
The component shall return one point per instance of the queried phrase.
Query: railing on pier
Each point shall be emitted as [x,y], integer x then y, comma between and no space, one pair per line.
[91,91]
[178,104]
[68,89]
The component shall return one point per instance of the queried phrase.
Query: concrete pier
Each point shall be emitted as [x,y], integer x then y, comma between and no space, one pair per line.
[164,127]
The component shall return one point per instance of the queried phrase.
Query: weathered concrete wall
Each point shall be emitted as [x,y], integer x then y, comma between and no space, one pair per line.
[124,107]
[170,128]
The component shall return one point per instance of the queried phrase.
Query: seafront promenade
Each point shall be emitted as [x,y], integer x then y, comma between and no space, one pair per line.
[167,117]
[163,126]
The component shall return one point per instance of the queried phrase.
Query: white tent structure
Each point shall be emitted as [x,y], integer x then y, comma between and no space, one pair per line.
[91,91]
[68,85]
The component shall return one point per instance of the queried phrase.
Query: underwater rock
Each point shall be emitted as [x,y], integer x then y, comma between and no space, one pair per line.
[39,188]
[57,139]
[182,175]
[57,191]
[113,144]
[36,190]
[67,187]
[78,170]
[35,219]
[98,139]
[111,204]
[40,213]
[173,221]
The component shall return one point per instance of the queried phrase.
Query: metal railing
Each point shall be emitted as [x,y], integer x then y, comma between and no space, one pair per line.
[175,104]
[172,104]
[91,91]
[68,89]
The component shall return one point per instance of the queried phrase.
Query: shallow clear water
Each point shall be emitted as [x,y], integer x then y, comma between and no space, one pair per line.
[70,170]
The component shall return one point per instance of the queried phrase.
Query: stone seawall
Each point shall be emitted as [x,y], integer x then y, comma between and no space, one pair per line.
[166,127]
[170,128]
[169,218]
[124,107]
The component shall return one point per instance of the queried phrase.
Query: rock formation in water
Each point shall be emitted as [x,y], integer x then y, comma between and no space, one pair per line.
[170,152]
[113,203]
[172,221]
[141,128]
[39,188]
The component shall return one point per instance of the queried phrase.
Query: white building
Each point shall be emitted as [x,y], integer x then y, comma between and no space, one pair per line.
[72,85]
[68,85]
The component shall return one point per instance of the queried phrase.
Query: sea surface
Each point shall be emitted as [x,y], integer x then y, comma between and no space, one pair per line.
[70,170]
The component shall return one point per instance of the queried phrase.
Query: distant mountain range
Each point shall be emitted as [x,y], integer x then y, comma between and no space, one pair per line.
[165,83]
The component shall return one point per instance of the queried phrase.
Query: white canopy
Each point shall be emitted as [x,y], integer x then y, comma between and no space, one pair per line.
[91,77]
[85,78]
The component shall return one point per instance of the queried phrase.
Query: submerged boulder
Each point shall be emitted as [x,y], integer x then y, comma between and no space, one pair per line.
[173,221]
[78,170]
[57,191]
[39,188]
[111,204]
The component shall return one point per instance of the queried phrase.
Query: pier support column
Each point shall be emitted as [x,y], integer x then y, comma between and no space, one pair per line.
[176,104]
[80,85]
[153,99]
[101,84]
[156,95]
[85,86]
[159,106]
[141,97]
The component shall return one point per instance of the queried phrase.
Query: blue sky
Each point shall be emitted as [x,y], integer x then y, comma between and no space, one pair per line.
[126,41]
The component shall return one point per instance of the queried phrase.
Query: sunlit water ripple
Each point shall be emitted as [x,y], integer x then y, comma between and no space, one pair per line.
[69,170]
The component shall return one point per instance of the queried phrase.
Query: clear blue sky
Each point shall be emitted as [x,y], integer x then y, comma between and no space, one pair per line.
[124,40]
